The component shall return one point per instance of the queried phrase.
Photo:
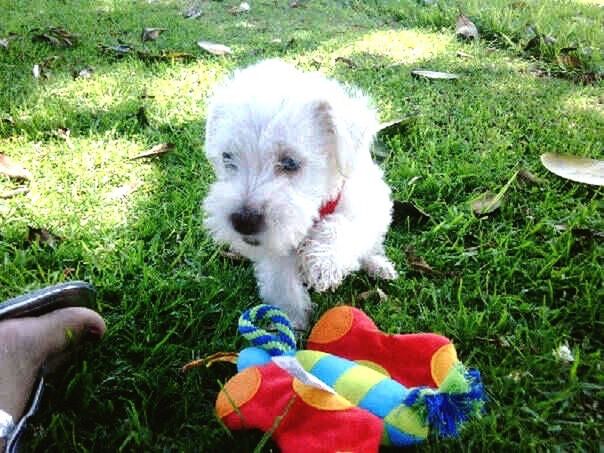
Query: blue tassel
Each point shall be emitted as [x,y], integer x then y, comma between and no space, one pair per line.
[447,411]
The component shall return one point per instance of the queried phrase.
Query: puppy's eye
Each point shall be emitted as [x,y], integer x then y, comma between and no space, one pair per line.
[227,159]
[289,164]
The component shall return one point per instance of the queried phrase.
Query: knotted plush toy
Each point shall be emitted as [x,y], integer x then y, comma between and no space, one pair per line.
[352,389]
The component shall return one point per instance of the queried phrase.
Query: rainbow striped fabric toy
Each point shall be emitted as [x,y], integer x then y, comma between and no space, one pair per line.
[353,389]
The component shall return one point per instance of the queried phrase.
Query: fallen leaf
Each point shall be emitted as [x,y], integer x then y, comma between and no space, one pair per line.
[84,73]
[563,354]
[4,43]
[518,5]
[347,61]
[229,357]
[435,75]
[192,12]
[366,295]
[569,61]
[123,191]
[42,236]
[575,168]
[393,127]
[43,69]
[214,49]
[404,211]
[417,263]
[489,202]
[68,272]
[233,256]
[295,3]
[462,54]
[465,28]
[12,169]
[151,34]
[118,51]
[157,150]
[527,177]
[165,56]
[14,192]
[486,203]
[243,7]
[141,117]
[56,36]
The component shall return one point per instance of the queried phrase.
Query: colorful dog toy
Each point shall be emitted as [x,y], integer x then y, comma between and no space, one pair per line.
[353,389]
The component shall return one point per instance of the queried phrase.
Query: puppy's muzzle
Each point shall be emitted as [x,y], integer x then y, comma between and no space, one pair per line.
[248,221]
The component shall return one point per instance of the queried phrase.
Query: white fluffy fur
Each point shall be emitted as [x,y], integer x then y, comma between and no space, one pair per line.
[270,109]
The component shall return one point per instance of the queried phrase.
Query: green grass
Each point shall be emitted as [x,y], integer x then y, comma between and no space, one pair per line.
[511,287]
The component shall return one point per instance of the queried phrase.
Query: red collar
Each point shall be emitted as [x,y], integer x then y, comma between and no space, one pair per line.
[329,206]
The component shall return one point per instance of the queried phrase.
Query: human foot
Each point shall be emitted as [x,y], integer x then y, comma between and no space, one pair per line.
[26,343]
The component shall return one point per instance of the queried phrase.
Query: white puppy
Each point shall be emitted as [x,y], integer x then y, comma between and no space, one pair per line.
[296,189]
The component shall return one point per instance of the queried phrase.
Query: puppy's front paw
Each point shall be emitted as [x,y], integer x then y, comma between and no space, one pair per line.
[379,266]
[319,266]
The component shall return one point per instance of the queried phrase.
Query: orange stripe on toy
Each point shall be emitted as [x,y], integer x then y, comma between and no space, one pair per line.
[442,361]
[320,399]
[332,326]
[238,390]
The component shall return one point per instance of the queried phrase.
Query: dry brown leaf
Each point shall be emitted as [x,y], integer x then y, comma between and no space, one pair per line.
[369,294]
[157,150]
[465,28]
[433,75]
[56,36]
[151,34]
[229,357]
[575,168]
[527,177]
[164,56]
[417,263]
[569,61]
[214,49]
[42,236]
[14,192]
[68,272]
[12,169]
[347,61]
[233,256]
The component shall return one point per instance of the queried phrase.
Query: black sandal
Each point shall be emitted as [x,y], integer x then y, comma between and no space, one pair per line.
[37,303]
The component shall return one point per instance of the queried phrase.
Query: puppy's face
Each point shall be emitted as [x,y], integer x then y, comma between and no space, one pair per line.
[273,171]
[280,141]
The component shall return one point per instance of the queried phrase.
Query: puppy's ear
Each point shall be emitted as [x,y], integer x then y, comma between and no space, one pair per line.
[348,127]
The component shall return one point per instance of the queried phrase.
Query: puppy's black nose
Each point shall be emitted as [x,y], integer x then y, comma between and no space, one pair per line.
[247,221]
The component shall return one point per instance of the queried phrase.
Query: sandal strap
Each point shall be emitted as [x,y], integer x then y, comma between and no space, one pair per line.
[12,439]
